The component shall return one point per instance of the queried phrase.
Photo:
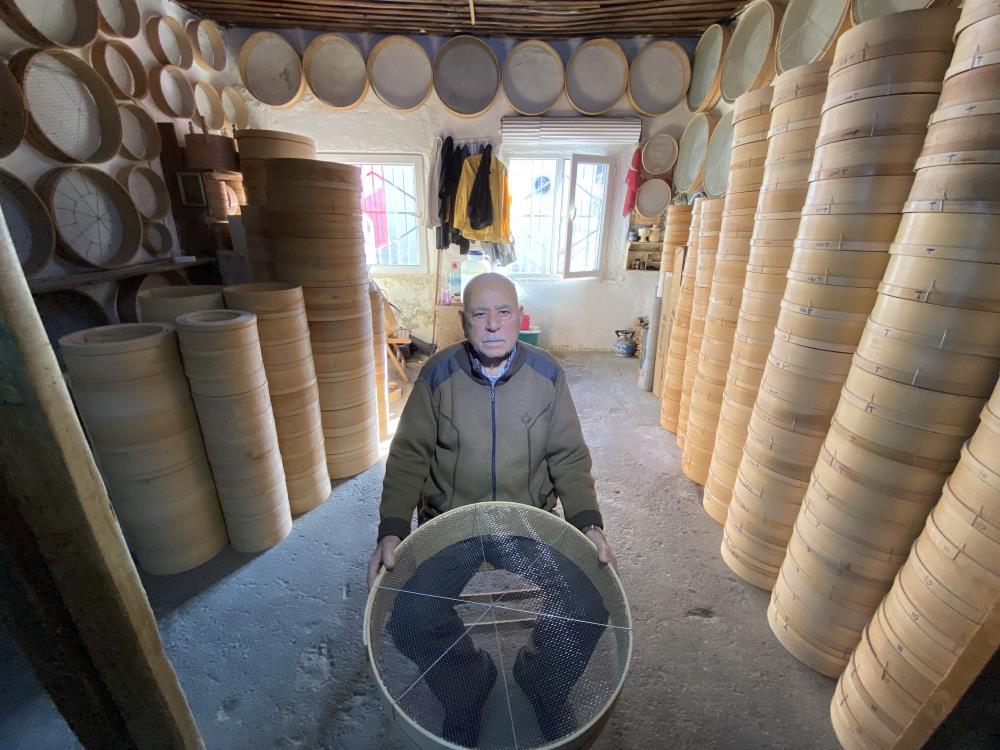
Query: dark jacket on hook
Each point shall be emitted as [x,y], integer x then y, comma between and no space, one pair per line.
[480,200]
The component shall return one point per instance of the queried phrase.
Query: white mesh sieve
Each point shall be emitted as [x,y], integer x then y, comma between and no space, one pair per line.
[498,628]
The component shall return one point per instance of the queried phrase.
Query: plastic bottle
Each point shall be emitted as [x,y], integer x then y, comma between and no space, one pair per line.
[454,279]
[473,265]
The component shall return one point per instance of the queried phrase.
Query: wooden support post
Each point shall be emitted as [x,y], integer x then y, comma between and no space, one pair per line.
[69,591]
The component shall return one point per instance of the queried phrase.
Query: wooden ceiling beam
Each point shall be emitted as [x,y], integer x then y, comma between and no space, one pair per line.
[576,6]
[642,11]
[717,10]
[260,21]
[517,20]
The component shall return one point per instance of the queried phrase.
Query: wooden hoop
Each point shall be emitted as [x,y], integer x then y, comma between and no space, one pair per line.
[13,117]
[215,39]
[131,22]
[185,56]
[109,123]
[243,63]
[183,85]
[149,129]
[87,15]
[153,180]
[99,60]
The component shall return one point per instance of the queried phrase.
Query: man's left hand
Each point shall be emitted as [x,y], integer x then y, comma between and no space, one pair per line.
[604,553]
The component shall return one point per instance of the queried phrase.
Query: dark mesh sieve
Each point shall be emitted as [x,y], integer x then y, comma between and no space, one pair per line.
[504,587]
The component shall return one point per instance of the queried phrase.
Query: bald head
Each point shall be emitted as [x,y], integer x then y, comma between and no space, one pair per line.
[489,283]
[491,318]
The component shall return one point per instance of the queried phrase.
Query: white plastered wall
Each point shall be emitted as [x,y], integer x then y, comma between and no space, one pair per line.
[573,314]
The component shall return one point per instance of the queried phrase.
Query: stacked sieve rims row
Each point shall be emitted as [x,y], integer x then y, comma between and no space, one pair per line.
[672,390]
[314,220]
[223,363]
[675,237]
[130,389]
[751,116]
[936,627]
[869,137]
[162,304]
[926,363]
[704,268]
[291,382]
[793,125]
[255,146]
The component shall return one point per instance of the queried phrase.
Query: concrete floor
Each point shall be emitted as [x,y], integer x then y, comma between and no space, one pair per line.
[268,647]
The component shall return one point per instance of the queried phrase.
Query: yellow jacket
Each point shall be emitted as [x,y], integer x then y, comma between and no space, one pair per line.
[499,231]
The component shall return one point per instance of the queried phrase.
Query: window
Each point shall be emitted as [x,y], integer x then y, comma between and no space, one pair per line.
[391,202]
[559,213]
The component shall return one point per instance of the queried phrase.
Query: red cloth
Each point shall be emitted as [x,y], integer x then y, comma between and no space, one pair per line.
[632,181]
[375,222]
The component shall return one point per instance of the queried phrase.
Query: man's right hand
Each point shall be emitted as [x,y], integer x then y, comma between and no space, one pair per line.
[384,554]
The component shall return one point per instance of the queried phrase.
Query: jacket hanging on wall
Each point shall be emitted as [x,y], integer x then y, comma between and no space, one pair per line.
[480,210]
[452,160]
[489,171]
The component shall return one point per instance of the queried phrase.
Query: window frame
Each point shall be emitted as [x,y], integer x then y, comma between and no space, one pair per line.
[420,186]
[576,160]
[574,155]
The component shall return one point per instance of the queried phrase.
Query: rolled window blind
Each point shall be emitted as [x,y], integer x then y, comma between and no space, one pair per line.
[544,130]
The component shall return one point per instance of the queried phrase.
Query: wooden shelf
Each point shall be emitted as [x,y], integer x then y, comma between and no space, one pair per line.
[649,252]
[85,278]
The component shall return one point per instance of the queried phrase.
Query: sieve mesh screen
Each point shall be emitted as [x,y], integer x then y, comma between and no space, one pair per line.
[499,628]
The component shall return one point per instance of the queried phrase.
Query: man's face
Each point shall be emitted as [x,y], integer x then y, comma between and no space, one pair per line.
[492,320]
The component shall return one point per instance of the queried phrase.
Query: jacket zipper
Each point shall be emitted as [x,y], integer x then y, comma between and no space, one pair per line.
[493,452]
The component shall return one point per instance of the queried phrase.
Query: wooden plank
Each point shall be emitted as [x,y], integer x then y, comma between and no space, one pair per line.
[512,17]
[258,20]
[65,560]
[73,280]
[435,11]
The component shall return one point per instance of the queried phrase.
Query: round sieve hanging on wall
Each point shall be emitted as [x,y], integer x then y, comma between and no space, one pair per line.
[749,60]
[13,118]
[271,69]
[336,71]
[207,44]
[466,76]
[96,221]
[140,138]
[689,171]
[498,628]
[658,77]
[533,77]
[717,157]
[706,74]
[169,42]
[400,72]
[659,153]
[72,114]
[119,18]
[120,67]
[28,222]
[54,23]
[596,76]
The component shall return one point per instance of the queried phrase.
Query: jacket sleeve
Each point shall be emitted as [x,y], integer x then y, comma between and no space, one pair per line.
[408,463]
[569,461]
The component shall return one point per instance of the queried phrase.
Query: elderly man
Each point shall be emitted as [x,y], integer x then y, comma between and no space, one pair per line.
[489,419]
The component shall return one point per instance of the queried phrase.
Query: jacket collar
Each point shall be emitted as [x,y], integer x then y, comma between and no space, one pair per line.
[468,355]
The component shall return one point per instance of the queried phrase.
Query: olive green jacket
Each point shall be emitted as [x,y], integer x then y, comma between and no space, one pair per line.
[461,440]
